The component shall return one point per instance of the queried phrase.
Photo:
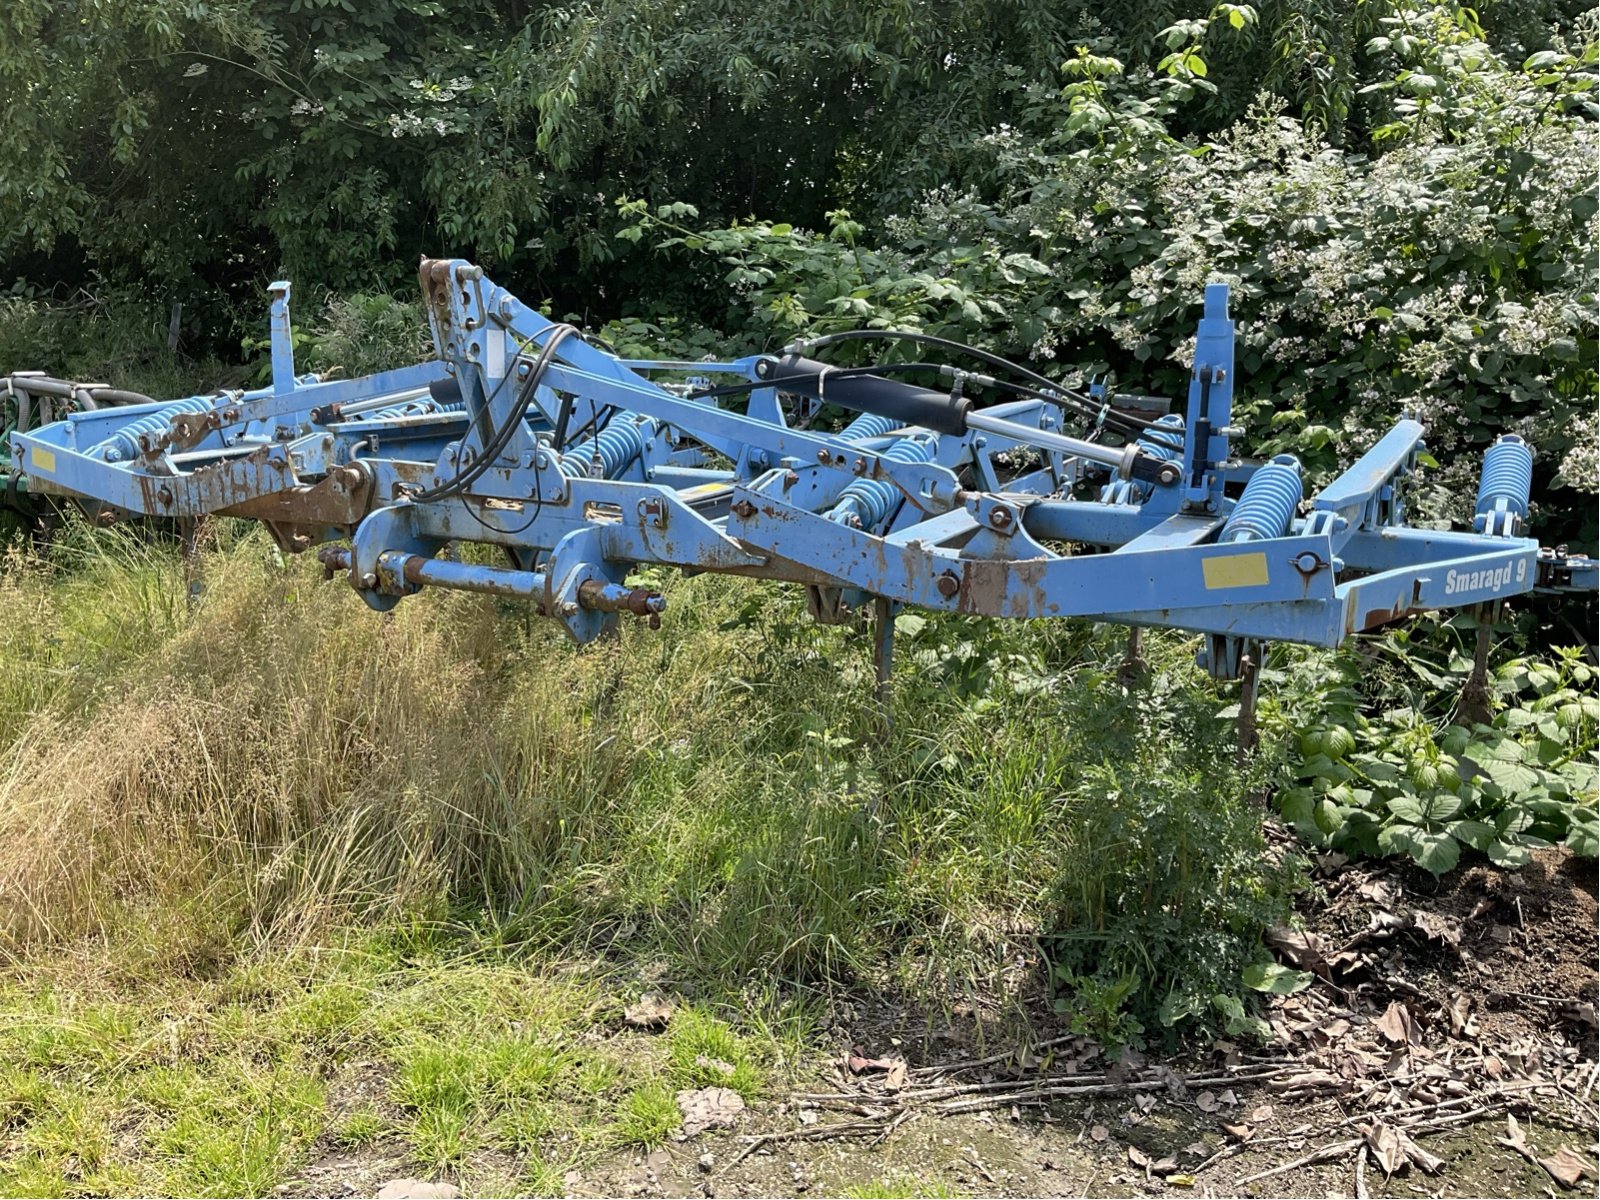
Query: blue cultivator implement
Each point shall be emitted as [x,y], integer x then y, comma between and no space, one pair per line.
[581,465]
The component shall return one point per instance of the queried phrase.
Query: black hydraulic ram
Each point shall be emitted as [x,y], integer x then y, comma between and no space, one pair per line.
[943,412]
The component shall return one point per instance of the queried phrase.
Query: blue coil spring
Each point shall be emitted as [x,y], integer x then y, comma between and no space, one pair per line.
[1164,442]
[867,425]
[415,408]
[1268,503]
[1507,478]
[616,446]
[867,503]
[124,444]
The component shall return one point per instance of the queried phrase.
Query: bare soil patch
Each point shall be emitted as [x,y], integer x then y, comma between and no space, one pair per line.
[1440,1009]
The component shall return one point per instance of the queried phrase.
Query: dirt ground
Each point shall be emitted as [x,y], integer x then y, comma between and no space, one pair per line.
[1450,1036]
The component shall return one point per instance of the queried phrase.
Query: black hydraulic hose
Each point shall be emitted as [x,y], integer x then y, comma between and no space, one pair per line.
[739,389]
[501,437]
[942,412]
[118,396]
[1126,424]
[927,339]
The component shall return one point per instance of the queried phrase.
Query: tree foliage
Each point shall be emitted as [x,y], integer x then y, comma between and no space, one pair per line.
[1399,189]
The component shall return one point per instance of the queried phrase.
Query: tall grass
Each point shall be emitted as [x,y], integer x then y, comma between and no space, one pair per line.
[280,763]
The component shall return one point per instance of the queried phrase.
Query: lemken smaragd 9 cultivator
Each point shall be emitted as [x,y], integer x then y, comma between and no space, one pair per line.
[581,465]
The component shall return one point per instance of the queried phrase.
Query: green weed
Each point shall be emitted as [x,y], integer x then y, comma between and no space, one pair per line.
[360,1128]
[647,1114]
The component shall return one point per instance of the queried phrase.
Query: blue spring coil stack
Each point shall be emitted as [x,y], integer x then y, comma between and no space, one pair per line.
[124,444]
[867,425]
[616,446]
[867,503]
[1165,442]
[1506,482]
[1268,503]
[415,408]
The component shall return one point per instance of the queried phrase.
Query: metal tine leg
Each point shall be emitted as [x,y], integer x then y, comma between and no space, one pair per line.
[190,532]
[1134,667]
[1476,707]
[883,656]
[1249,737]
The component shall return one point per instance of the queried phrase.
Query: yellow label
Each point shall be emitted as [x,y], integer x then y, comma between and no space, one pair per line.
[43,460]
[1235,570]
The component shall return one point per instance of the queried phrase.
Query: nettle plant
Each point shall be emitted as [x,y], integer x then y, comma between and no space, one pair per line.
[1408,780]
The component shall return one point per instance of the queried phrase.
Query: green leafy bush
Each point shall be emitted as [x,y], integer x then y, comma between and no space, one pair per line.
[1165,880]
[1377,763]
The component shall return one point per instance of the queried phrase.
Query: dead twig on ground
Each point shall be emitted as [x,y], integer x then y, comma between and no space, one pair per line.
[1006,1056]
[811,1133]
[1316,1156]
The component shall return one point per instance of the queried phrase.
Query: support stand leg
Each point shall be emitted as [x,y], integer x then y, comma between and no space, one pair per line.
[1475,699]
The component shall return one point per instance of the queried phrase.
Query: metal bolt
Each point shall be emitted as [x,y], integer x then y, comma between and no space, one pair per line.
[1307,563]
[790,478]
[948,584]
[165,496]
[824,457]
[369,581]
[1000,517]
[744,510]
[859,467]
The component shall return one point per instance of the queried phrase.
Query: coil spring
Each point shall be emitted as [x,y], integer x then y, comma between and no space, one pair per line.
[1504,486]
[124,444]
[867,503]
[415,408]
[616,446]
[867,425]
[1165,442]
[1268,503]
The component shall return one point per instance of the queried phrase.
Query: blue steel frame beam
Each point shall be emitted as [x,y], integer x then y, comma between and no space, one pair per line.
[989,525]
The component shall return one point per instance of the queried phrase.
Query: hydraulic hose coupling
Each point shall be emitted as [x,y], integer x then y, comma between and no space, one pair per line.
[1504,487]
[1268,503]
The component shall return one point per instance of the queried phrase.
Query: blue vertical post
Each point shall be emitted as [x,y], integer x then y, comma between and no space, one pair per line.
[1210,404]
[282,346]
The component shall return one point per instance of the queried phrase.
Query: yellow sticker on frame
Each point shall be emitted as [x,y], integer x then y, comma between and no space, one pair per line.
[43,460]
[1235,571]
